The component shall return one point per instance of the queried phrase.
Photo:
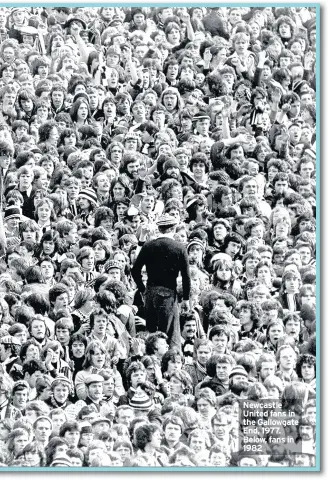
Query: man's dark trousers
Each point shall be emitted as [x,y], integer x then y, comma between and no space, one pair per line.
[162,313]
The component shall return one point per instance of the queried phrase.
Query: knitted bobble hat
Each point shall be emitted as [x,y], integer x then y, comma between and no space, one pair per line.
[140,401]
[89,194]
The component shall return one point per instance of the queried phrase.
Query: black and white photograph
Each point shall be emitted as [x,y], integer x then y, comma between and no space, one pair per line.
[159,291]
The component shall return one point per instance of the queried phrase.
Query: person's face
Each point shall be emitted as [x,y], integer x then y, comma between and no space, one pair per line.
[138,111]
[38,330]
[103,183]
[264,275]
[88,263]
[70,141]
[237,154]
[20,442]
[133,168]
[73,190]
[57,421]
[172,433]
[147,204]
[306,170]
[307,372]
[305,254]
[223,273]
[100,324]
[109,109]
[25,181]
[138,377]
[60,393]
[95,390]
[241,45]
[20,398]
[232,249]
[8,54]
[257,231]
[311,413]
[48,247]
[33,378]
[220,343]
[125,416]
[218,459]
[72,438]
[223,370]
[276,332]
[57,98]
[197,443]
[63,335]
[109,386]
[245,315]
[291,284]
[284,30]
[82,112]
[287,359]
[172,72]
[282,229]
[100,253]
[203,354]
[72,237]
[190,329]
[61,301]
[32,352]
[220,429]
[250,264]
[267,368]
[250,189]
[234,17]
[78,349]
[260,295]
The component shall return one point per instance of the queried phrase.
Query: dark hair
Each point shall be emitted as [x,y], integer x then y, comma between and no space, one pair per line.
[143,435]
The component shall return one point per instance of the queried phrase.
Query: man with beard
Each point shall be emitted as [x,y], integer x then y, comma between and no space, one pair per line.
[171,169]
[130,166]
[9,349]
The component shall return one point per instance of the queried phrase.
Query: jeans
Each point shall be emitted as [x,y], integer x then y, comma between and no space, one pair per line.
[162,313]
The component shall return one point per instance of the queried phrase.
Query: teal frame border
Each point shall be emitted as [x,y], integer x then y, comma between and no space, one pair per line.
[316,468]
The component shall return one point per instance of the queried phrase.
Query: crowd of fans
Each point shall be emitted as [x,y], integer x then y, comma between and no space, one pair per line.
[111,120]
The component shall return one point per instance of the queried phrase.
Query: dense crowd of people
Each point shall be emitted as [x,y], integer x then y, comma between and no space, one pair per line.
[158,236]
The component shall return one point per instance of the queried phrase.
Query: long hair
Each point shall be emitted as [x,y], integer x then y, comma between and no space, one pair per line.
[90,351]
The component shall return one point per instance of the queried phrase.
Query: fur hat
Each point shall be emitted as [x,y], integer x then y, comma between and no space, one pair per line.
[171,163]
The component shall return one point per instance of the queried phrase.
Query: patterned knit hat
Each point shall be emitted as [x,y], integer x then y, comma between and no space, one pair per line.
[238,370]
[196,241]
[111,264]
[140,401]
[89,194]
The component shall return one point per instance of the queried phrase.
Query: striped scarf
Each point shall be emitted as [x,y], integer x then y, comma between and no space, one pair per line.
[201,368]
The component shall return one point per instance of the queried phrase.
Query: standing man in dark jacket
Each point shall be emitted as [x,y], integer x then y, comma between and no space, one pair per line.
[164,259]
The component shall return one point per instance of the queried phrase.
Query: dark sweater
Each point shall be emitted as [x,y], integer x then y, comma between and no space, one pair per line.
[164,259]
